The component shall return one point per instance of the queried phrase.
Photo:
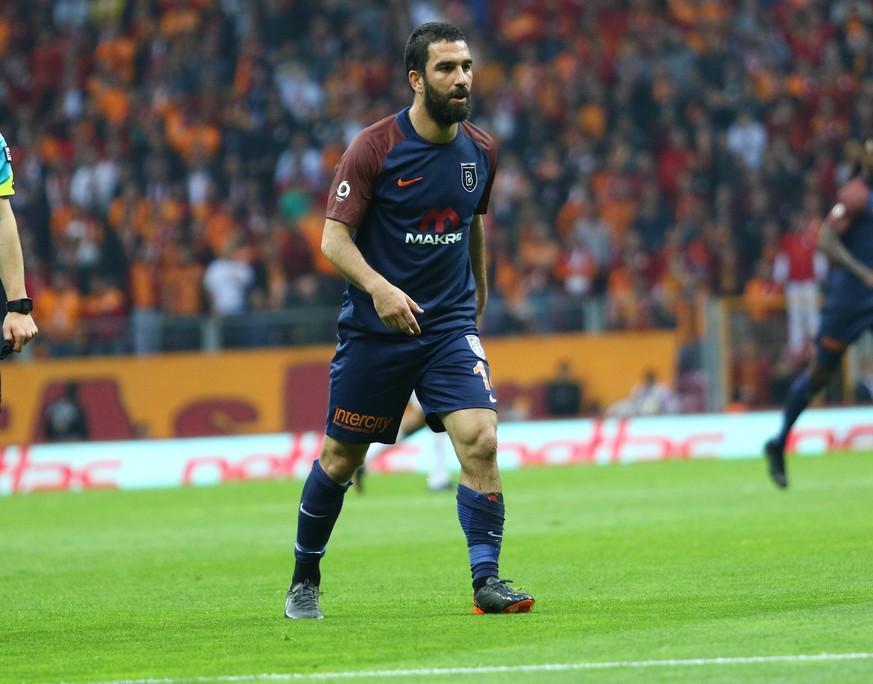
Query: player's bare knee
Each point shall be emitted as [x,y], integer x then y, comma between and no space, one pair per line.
[478,450]
[340,460]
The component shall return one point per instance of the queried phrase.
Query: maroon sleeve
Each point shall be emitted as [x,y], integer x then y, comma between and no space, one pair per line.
[487,143]
[356,173]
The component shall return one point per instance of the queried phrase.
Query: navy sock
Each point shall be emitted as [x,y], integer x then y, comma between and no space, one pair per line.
[481,517]
[320,506]
[800,394]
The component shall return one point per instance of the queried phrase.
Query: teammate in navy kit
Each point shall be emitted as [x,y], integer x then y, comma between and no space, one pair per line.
[404,227]
[846,238]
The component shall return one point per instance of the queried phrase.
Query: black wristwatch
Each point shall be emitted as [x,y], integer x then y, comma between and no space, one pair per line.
[22,306]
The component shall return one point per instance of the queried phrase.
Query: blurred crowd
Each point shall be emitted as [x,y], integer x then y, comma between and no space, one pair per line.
[173,156]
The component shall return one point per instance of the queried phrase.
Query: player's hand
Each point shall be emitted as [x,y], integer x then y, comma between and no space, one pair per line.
[18,330]
[397,309]
[867,278]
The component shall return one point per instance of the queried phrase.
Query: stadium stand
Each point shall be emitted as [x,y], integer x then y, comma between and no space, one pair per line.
[654,154]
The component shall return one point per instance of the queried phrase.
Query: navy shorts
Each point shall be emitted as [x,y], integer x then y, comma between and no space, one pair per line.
[839,328]
[372,379]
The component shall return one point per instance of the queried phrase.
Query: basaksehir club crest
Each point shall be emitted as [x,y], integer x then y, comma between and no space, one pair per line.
[469,178]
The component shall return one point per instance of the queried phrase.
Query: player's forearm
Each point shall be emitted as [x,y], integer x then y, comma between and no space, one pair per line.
[478,263]
[341,251]
[11,259]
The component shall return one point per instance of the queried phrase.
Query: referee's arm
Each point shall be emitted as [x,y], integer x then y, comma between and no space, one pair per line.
[18,328]
[11,259]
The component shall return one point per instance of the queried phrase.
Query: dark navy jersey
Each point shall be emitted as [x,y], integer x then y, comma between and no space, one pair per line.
[852,216]
[412,203]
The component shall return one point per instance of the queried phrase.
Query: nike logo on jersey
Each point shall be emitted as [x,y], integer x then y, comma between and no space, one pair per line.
[311,515]
[403,183]
[492,399]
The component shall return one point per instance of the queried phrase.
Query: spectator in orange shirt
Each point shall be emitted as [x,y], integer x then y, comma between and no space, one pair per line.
[763,300]
[145,318]
[130,215]
[181,296]
[538,253]
[680,296]
[311,225]
[181,292]
[573,207]
[750,375]
[116,52]
[104,316]
[59,309]
[513,312]
[618,208]
[628,299]
[180,17]
[191,135]
[220,227]
[110,95]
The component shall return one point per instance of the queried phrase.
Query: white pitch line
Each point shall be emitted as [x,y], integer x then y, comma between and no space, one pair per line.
[500,669]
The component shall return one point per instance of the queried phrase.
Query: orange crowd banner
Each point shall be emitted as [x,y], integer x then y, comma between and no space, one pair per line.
[254,392]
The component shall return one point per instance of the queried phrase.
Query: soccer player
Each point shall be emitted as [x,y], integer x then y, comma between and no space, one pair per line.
[18,326]
[404,227]
[846,238]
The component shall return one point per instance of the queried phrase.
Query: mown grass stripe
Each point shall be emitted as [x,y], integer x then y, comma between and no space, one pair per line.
[502,669]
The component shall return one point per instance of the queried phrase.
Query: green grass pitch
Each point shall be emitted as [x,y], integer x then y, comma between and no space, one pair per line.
[681,571]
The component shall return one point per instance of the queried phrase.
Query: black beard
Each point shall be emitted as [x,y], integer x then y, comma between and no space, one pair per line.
[442,110]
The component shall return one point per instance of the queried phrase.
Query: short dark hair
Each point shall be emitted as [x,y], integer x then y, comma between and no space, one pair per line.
[415,54]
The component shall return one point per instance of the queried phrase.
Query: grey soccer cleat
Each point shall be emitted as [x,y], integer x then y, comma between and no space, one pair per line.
[775,456]
[496,597]
[302,602]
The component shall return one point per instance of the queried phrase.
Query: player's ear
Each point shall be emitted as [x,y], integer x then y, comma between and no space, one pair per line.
[415,82]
